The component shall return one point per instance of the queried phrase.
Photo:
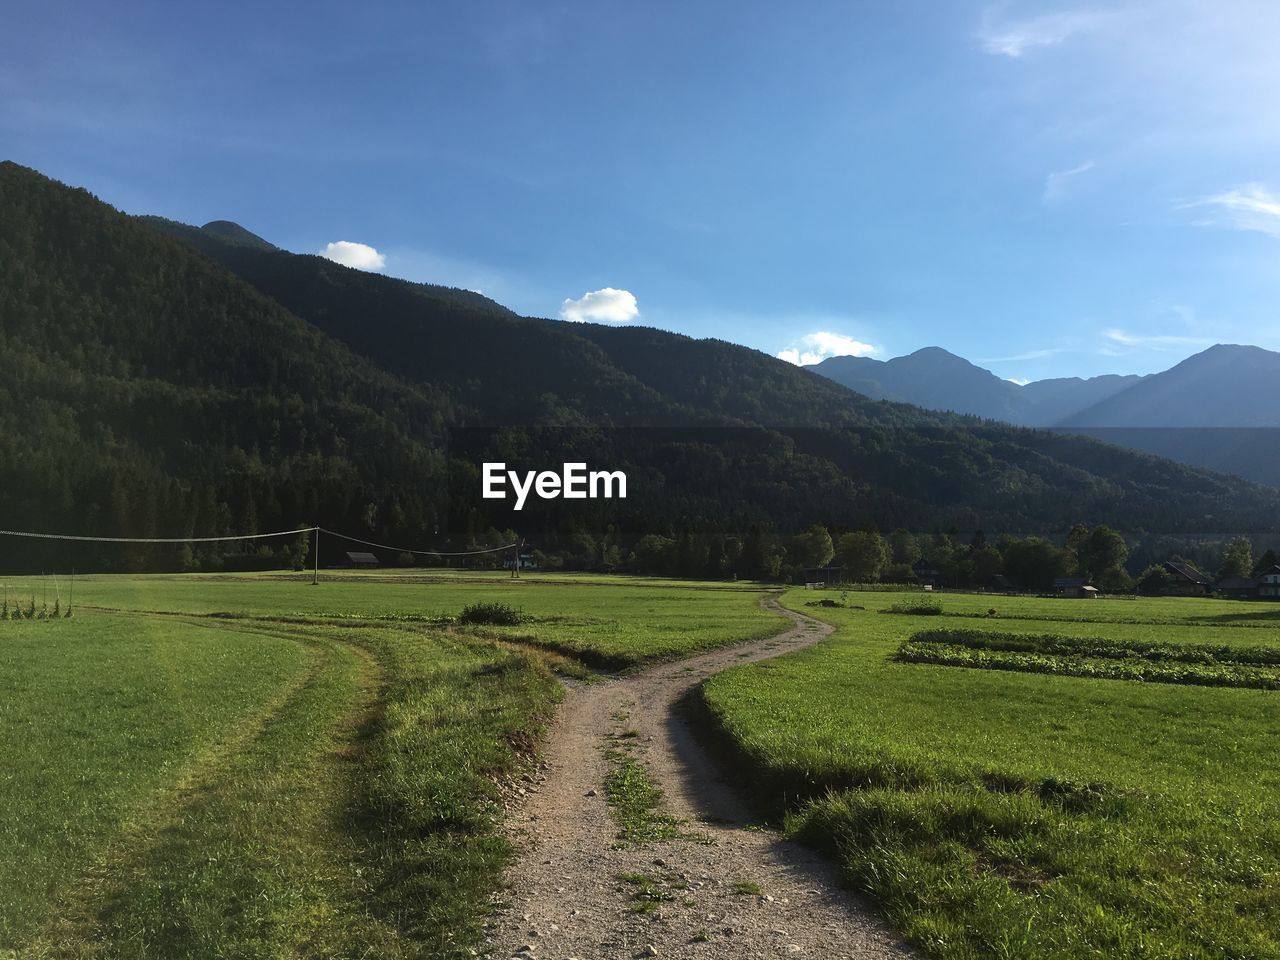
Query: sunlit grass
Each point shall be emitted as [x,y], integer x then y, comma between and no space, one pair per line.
[251,766]
[1027,815]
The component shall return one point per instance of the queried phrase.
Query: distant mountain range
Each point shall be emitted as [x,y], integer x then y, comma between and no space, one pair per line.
[1218,409]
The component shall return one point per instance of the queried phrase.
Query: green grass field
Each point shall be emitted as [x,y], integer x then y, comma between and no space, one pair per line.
[608,622]
[1001,813]
[252,766]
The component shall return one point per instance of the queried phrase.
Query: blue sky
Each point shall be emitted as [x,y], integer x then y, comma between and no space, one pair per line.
[1046,189]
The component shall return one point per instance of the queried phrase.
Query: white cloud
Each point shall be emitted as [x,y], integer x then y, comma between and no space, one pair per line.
[361,256]
[815,347]
[608,305]
[1029,355]
[1248,207]
[1017,38]
[1159,341]
[1021,383]
[1055,184]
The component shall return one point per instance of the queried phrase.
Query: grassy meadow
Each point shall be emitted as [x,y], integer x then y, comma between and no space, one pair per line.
[252,766]
[607,622]
[1008,813]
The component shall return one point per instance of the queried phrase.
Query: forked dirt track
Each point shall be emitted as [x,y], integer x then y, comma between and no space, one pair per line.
[565,894]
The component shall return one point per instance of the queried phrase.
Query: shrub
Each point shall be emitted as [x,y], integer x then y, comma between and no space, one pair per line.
[918,607]
[492,614]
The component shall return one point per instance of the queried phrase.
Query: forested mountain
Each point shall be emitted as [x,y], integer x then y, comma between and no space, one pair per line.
[147,392]
[163,379]
[509,369]
[505,369]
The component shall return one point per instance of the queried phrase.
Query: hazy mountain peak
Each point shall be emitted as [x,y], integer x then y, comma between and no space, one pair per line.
[1227,385]
[934,353]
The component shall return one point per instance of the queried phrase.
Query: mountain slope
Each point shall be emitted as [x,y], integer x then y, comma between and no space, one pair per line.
[148,390]
[938,380]
[895,463]
[1215,409]
[1224,386]
[1055,399]
[931,378]
[1212,410]
[508,369]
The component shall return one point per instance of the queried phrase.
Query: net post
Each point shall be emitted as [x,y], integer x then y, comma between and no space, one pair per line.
[315,544]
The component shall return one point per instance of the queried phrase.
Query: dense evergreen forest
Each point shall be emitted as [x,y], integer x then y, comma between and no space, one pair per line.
[166,380]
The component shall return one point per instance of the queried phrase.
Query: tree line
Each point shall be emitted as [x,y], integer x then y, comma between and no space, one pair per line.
[1098,555]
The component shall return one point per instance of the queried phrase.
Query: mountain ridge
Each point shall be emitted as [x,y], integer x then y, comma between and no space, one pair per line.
[1209,410]
[151,388]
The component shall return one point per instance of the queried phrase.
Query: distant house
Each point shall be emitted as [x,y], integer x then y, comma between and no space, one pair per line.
[526,562]
[1074,587]
[999,583]
[1269,584]
[357,559]
[1238,588]
[926,576]
[1185,580]
[831,575]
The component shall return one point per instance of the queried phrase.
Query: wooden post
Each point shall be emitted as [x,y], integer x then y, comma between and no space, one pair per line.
[515,566]
[315,543]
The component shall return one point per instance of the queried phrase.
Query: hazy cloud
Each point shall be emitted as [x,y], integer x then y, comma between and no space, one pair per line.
[1249,207]
[361,256]
[1055,184]
[1029,355]
[608,305]
[1021,383]
[1015,38]
[1159,341]
[815,347]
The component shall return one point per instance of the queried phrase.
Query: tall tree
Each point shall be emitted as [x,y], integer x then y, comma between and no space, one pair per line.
[863,555]
[1266,562]
[813,548]
[903,547]
[1101,553]
[1237,559]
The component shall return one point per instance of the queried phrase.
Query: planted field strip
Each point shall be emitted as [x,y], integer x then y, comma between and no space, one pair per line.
[1098,658]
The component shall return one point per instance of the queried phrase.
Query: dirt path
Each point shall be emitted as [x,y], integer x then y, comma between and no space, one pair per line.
[567,898]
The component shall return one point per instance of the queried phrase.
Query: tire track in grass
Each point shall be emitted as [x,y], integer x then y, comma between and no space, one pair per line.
[244,854]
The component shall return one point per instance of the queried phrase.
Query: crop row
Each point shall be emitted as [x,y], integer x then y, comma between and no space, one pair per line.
[1101,647]
[1170,671]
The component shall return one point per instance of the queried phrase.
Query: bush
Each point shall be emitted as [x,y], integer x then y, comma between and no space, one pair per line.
[492,614]
[917,607]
